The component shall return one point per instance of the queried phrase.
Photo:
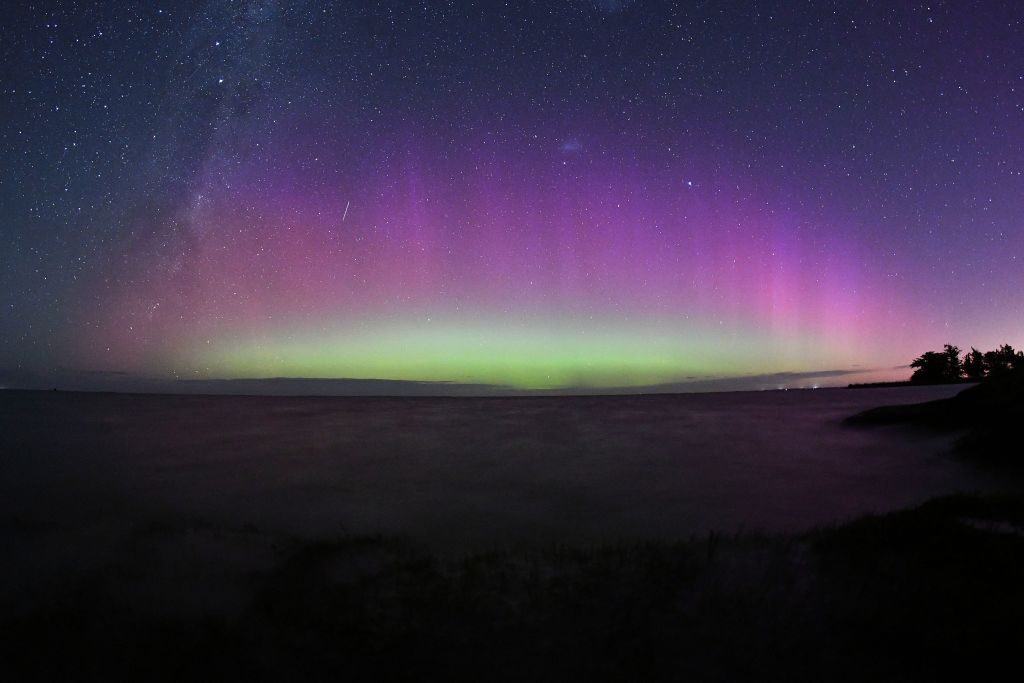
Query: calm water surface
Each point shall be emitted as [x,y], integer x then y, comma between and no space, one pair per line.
[473,472]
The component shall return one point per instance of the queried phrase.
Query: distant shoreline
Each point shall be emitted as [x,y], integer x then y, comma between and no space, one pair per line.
[525,393]
[904,383]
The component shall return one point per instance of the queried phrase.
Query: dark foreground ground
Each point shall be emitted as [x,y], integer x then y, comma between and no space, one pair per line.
[930,593]
[103,588]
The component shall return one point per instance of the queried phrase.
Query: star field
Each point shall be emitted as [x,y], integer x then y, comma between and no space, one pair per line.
[540,195]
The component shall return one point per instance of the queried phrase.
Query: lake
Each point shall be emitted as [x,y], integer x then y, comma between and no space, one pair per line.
[471,472]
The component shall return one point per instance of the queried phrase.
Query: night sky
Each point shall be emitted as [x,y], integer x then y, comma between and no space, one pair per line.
[532,194]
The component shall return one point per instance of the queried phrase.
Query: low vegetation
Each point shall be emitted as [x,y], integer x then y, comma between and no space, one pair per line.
[924,593]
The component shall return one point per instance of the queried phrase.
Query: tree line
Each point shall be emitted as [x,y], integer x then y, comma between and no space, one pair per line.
[937,367]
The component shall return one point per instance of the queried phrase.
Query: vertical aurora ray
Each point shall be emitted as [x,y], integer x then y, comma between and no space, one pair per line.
[535,280]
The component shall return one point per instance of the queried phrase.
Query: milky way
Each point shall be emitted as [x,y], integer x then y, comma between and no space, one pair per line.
[557,194]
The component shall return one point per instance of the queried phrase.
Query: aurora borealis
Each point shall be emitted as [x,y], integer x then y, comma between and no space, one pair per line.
[541,195]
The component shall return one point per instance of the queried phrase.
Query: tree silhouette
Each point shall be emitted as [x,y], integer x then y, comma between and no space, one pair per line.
[940,367]
[974,364]
[934,367]
[954,369]
[1003,360]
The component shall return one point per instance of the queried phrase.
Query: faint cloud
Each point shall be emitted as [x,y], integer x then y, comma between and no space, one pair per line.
[611,6]
[571,146]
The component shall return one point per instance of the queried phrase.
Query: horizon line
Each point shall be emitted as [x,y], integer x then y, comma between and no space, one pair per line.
[92,381]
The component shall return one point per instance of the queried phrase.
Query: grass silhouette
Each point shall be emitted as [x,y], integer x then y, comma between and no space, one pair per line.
[919,593]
